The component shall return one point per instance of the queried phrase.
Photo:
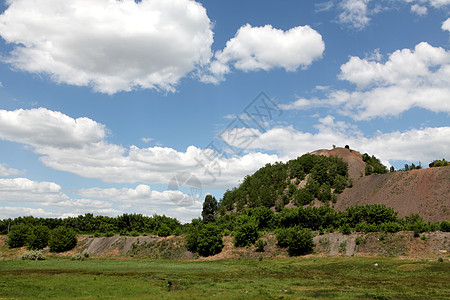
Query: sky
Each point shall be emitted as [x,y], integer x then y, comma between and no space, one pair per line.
[112,107]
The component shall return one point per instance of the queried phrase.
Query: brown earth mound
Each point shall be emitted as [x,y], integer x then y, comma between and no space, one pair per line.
[353,158]
[425,192]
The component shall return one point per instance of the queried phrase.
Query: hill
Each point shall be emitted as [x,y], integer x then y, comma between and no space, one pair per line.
[342,177]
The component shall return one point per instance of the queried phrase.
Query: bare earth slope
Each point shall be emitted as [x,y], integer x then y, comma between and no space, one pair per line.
[351,157]
[425,192]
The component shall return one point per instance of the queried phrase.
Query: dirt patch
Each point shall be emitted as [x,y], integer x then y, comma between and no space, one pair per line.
[424,192]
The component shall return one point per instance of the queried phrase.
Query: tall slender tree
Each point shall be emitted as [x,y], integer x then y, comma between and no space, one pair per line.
[209,209]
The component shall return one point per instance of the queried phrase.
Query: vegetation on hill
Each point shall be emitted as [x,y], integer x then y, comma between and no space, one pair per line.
[373,165]
[439,163]
[299,180]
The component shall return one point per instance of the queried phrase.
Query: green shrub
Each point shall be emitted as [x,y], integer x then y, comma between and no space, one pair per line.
[246,233]
[445,226]
[298,241]
[205,240]
[78,256]
[62,239]
[345,229]
[33,255]
[38,237]
[18,236]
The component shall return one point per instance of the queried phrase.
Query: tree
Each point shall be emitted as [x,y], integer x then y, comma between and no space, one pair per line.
[62,239]
[206,239]
[392,169]
[298,241]
[246,233]
[209,209]
[38,237]
[18,235]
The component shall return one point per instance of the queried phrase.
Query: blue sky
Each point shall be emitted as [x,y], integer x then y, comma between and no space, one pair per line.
[106,104]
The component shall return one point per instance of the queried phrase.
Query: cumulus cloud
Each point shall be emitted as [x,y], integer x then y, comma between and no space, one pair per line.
[411,145]
[354,13]
[109,45]
[419,9]
[79,146]
[266,48]
[5,171]
[146,201]
[446,25]
[50,128]
[409,78]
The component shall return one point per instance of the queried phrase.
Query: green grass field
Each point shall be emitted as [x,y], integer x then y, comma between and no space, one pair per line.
[291,278]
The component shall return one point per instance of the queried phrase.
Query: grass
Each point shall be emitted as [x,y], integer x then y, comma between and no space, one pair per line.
[287,278]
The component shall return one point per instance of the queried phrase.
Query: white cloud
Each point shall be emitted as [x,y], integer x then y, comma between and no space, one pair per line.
[147,140]
[47,199]
[419,9]
[14,211]
[79,146]
[409,78]
[354,13]
[146,201]
[109,45]
[5,171]
[41,126]
[446,25]
[410,145]
[25,190]
[266,48]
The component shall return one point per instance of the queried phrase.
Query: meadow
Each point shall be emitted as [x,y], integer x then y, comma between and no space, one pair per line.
[282,278]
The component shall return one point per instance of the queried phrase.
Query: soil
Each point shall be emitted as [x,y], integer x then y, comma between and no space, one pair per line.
[424,191]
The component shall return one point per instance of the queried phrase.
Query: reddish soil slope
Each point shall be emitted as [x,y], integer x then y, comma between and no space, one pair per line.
[425,192]
[353,158]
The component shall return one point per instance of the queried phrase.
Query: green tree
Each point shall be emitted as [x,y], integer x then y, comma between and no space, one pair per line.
[206,239]
[246,233]
[18,235]
[38,237]
[299,241]
[62,239]
[209,209]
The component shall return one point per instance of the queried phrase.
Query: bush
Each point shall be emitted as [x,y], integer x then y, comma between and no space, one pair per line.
[62,239]
[206,240]
[246,233]
[38,237]
[345,229]
[32,255]
[445,226]
[18,236]
[298,241]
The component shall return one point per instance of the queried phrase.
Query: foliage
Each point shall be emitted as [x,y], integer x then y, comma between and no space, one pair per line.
[209,209]
[205,239]
[246,233]
[38,237]
[445,226]
[440,163]
[33,255]
[373,165]
[62,239]
[299,241]
[272,184]
[18,236]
